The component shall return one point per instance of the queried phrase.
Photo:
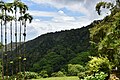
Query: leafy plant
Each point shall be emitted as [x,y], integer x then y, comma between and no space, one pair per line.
[98,64]
[81,75]
[27,75]
[43,74]
[74,69]
[97,76]
[58,74]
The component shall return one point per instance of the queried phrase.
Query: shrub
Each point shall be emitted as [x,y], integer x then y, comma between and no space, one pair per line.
[97,64]
[27,75]
[81,75]
[43,74]
[58,74]
[97,76]
[31,75]
[74,69]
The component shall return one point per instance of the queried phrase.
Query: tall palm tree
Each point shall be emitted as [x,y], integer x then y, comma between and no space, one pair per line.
[15,4]
[1,18]
[22,10]
[26,17]
[7,7]
[10,19]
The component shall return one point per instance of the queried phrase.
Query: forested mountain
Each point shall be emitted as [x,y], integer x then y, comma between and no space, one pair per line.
[53,51]
[91,52]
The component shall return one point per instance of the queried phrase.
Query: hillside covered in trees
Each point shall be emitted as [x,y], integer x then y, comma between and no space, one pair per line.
[91,52]
[53,51]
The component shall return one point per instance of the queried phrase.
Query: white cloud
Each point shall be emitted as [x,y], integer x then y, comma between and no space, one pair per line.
[56,16]
[86,7]
[61,21]
[42,13]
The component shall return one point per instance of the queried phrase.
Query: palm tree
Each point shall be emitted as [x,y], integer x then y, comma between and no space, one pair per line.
[15,4]
[26,17]
[1,18]
[6,7]
[22,8]
[10,19]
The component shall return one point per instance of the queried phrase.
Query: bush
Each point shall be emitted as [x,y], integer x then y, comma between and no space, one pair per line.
[97,64]
[58,74]
[27,75]
[74,69]
[97,76]
[81,75]
[43,74]
[31,75]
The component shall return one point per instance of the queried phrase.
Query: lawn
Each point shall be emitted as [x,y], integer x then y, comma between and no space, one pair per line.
[59,78]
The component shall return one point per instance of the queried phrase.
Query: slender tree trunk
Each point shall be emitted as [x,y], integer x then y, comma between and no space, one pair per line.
[24,34]
[20,46]
[6,46]
[11,44]
[16,40]
[2,51]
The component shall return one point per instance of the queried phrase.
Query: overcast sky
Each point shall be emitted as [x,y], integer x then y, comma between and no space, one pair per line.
[57,15]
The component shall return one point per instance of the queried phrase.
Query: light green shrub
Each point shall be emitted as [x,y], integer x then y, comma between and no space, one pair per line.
[43,74]
[81,75]
[98,64]
[27,75]
[58,74]
[74,69]
[97,76]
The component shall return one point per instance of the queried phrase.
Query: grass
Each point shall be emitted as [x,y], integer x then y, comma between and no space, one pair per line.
[59,78]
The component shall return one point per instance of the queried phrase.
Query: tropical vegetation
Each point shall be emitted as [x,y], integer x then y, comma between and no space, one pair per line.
[6,17]
[91,52]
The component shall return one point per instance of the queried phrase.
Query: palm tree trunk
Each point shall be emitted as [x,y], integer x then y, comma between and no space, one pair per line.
[11,43]
[6,46]
[16,39]
[2,52]
[20,46]
[24,34]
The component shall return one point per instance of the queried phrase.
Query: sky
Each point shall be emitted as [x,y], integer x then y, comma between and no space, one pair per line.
[57,15]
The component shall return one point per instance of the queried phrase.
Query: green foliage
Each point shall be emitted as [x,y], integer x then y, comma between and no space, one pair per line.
[31,75]
[51,63]
[59,78]
[74,69]
[43,74]
[106,37]
[27,75]
[58,74]
[103,5]
[53,51]
[0,69]
[98,64]
[81,58]
[1,45]
[81,75]
[113,7]
[97,76]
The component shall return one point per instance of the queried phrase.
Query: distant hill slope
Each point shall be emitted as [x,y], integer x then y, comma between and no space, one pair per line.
[53,51]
